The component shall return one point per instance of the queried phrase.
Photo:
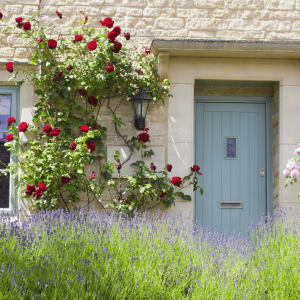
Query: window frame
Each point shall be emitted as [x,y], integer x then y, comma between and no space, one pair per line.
[15,112]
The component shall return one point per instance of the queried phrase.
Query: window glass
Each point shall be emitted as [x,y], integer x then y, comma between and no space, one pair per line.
[4,192]
[230,148]
[5,111]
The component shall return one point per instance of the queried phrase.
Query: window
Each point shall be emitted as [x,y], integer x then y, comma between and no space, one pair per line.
[8,108]
[230,147]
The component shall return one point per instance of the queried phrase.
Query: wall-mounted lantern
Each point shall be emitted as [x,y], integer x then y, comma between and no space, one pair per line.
[140,103]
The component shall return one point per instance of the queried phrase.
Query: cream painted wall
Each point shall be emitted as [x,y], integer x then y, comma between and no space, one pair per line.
[184,71]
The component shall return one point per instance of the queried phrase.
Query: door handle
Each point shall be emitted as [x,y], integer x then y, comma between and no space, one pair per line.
[262,172]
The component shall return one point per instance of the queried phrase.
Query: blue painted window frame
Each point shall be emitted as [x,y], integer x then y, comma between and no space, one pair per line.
[269,139]
[14,91]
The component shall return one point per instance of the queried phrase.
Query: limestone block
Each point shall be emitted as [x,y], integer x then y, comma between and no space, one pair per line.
[114,2]
[191,13]
[158,118]
[152,32]
[178,33]
[3,40]
[157,109]
[254,34]
[282,35]
[14,9]
[108,11]
[247,14]
[275,118]
[157,3]
[219,13]
[167,12]
[7,52]
[135,12]
[280,4]
[264,14]
[296,26]
[49,2]
[287,15]
[85,2]
[203,90]
[207,24]
[172,23]
[227,34]
[135,2]
[246,25]
[181,3]
[14,41]
[151,12]
[30,2]
[24,53]
[131,22]
[29,9]
[158,159]
[209,4]
[201,34]
[244,4]
[275,25]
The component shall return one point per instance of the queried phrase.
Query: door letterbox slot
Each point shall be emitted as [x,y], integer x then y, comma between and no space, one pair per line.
[230,204]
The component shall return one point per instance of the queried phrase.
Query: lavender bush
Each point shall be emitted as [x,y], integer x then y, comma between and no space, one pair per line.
[92,255]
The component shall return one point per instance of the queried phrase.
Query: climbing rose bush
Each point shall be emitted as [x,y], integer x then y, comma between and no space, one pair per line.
[80,75]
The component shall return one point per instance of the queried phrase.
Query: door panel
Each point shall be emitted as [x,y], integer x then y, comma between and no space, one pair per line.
[231,169]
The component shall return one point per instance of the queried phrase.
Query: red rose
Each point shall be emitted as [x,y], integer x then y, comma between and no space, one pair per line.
[31,188]
[84,128]
[147,51]
[27,192]
[162,194]
[1,15]
[47,129]
[176,181]
[93,175]
[119,166]
[19,19]
[72,146]
[39,40]
[153,167]
[55,132]
[69,68]
[38,195]
[42,187]
[11,120]
[26,26]
[128,201]
[92,45]
[9,137]
[145,128]
[20,25]
[59,74]
[93,101]
[55,78]
[52,44]
[23,127]
[86,18]
[78,38]
[127,36]
[59,14]
[9,67]
[117,47]
[81,92]
[195,168]
[144,137]
[95,126]
[65,180]
[91,146]
[110,69]
[140,71]
[114,33]
[169,168]
[108,22]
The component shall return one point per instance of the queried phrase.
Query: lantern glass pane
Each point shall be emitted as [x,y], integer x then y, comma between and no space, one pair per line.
[138,108]
[145,108]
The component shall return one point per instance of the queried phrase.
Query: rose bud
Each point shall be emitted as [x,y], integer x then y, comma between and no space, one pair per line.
[153,167]
[119,166]
[127,36]
[147,51]
[93,175]
[39,40]
[69,68]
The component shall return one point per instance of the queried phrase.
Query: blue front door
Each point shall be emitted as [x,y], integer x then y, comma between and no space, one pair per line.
[231,151]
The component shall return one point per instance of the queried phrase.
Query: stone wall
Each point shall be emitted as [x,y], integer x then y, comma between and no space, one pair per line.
[145,19]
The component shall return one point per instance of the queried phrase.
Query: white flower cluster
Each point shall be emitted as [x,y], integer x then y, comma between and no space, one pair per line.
[292,170]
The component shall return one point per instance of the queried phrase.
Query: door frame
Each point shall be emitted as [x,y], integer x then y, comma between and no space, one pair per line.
[269,140]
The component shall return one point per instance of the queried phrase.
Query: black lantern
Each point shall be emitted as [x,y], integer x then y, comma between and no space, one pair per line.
[140,103]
